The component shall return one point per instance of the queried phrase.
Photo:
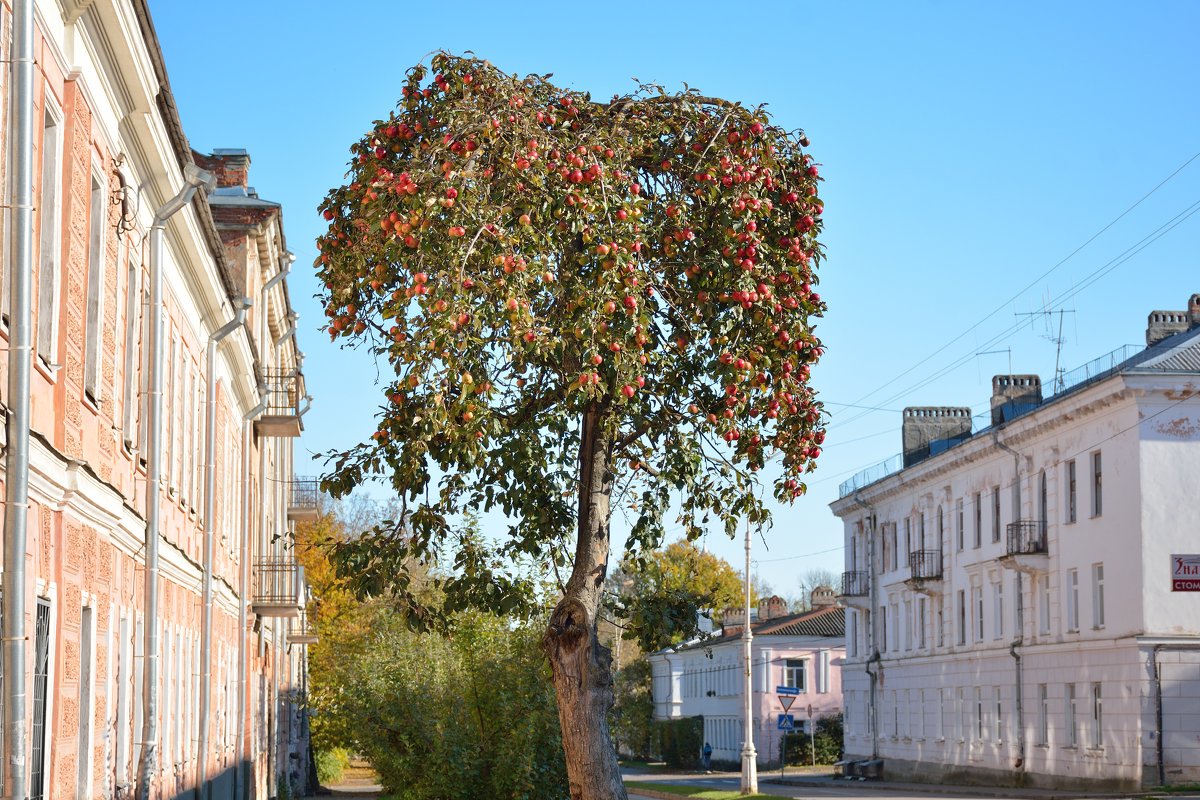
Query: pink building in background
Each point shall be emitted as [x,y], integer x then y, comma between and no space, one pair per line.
[705,678]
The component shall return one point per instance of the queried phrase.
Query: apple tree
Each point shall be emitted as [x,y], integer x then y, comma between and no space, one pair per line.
[582,304]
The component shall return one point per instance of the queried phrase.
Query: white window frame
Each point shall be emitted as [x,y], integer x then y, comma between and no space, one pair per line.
[1098,596]
[1072,590]
[1072,488]
[1097,717]
[1071,713]
[793,667]
[94,314]
[1043,720]
[49,267]
[1097,475]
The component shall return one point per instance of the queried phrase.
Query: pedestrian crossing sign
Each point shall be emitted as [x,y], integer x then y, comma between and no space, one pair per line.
[787,722]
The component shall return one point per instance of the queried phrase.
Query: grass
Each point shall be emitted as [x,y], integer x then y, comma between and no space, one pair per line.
[1182,788]
[699,792]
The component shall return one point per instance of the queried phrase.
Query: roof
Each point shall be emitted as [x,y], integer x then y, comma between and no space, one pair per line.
[1179,353]
[829,621]
[239,196]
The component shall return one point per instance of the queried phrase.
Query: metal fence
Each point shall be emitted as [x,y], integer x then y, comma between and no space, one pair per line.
[872,474]
[284,392]
[305,493]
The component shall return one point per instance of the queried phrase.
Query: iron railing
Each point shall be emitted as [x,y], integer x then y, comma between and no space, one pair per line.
[856,583]
[301,631]
[925,564]
[1027,537]
[304,494]
[285,390]
[277,582]
[871,474]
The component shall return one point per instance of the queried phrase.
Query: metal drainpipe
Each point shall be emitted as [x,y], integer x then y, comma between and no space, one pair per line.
[20,362]
[194,178]
[210,502]
[243,599]
[1158,716]
[1018,698]
[875,658]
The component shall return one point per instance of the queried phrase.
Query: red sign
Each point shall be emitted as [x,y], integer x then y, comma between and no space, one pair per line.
[1185,573]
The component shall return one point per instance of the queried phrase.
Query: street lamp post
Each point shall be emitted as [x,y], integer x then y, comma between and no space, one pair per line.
[749,768]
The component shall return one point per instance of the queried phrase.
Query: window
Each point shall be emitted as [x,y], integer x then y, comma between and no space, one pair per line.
[907,537]
[133,324]
[962,617]
[1097,720]
[999,703]
[1097,485]
[50,224]
[794,674]
[977,608]
[1072,724]
[1043,720]
[124,684]
[978,720]
[964,724]
[1072,600]
[998,609]
[941,528]
[1072,507]
[852,633]
[941,624]
[958,523]
[883,640]
[895,626]
[41,699]
[1043,497]
[87,630]
[921,622]
[1044,602]
[95,289]
[978,520]
[1097,595]
[908,637]
[996,514]
[941,715]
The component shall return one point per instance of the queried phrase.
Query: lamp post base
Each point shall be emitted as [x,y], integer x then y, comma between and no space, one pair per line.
[749,770]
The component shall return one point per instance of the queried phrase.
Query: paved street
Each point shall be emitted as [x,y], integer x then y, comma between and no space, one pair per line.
[824,785]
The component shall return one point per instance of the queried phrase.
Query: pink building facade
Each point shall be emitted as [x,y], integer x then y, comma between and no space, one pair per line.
[705,678]
[109,150]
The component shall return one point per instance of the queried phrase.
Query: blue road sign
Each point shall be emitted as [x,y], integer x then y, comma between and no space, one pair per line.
[787,722]
[787,690]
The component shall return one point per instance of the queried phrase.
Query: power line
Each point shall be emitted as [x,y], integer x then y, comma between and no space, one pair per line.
[1030,285]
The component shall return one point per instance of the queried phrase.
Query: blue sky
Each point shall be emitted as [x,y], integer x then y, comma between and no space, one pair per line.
[968,149]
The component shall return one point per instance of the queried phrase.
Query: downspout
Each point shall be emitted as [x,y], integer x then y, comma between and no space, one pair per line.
[1158,716]
[876,658]
[20,362]
[240,785]
[1018,699]
[210,503]
[194,178]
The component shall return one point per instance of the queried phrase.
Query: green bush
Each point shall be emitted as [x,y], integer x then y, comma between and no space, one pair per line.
[680,741]
[331,764]
[797,748]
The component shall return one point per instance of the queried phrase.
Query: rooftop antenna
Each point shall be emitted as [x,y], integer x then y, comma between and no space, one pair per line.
[993,352]
[1047,314]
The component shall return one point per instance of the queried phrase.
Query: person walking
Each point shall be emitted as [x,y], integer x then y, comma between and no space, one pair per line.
[706,758]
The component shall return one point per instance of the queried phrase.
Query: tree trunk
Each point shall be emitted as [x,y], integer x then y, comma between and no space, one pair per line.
[580,665]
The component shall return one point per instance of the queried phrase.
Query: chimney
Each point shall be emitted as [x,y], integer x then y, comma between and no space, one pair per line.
[732,621]
[1165,324]
[771,607]
[231,165]
[928,430]
[823,597]
[1013,395]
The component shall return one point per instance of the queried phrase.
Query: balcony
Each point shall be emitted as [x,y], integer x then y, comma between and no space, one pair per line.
[281,415]
[925,571]
[856,589]
[277,588]
[1026,546]
[300,631]
[304,496]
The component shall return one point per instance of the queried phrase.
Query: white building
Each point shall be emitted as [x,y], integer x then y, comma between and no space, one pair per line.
[705,678]
[1012,619]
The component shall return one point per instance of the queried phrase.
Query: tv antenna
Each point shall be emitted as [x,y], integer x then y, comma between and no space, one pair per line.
[1047,316]
[994,352]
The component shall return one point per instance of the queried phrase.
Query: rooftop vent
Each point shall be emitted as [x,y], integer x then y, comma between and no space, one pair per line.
[1013,395]
[929,430]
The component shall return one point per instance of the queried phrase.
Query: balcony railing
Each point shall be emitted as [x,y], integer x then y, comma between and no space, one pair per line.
[304,496]
[856,584]
[278,588]
[1027,537]
[284,395]
[925,565]
[301,631]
